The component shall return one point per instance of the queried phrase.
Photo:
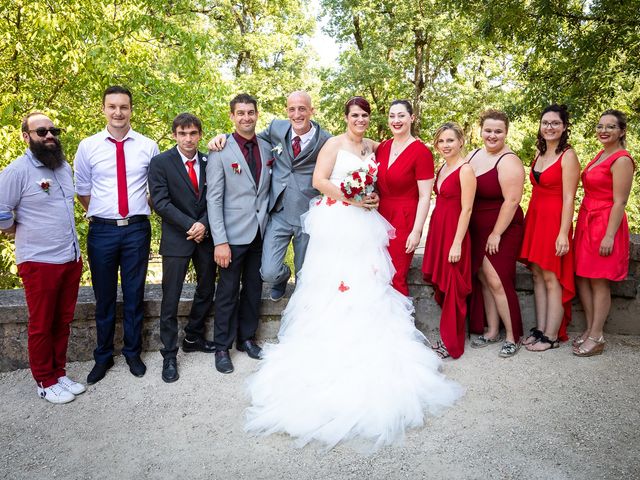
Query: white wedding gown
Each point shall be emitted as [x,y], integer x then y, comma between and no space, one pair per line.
[350,363]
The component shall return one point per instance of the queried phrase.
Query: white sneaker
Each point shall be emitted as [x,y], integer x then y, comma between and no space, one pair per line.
[56,394]
[74,387]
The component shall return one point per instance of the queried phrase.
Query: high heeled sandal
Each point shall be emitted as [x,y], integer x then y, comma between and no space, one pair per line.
[544,339]
[535,334]
[440,350]
[597,349]
[577,341]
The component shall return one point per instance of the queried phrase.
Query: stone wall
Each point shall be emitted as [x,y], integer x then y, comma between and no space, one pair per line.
[624,317]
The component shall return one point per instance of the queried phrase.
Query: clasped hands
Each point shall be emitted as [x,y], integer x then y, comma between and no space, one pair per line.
[369,202]
[196,232]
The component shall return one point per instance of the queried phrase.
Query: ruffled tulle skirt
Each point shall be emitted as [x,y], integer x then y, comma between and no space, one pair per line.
[350,362]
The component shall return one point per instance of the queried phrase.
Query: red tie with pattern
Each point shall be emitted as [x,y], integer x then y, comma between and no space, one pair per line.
[296,146]
[121,178]
[192,175]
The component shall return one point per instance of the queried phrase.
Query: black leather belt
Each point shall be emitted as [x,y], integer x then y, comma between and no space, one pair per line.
[123,222]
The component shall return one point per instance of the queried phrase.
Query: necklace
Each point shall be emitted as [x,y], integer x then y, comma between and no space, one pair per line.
[400,148]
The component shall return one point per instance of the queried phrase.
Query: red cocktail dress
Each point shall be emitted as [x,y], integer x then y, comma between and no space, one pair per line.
[399,199]
[593,219]
[541,228]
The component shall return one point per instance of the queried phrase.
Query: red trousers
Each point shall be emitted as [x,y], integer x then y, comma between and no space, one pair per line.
[51,291]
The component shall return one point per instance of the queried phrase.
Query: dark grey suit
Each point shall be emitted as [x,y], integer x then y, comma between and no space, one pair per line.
[291,191]
[177,203]
[237,209]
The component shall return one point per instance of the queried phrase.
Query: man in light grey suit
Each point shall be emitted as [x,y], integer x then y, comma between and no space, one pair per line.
[295,145]
[238,184]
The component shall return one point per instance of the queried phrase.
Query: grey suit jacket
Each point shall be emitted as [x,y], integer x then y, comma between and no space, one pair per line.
[236,206]
[291,187]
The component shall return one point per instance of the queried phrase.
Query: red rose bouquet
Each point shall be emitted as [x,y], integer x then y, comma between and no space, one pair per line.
[359,183]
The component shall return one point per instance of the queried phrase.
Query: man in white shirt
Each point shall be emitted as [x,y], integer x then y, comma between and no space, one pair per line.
[111,170]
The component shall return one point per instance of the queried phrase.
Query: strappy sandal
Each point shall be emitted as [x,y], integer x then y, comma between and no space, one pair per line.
[544,339]
[576,342]
[597,349]
[535,334]
[440,350]
[483,341]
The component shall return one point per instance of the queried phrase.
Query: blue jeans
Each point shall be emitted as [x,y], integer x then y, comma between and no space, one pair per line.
[110,248]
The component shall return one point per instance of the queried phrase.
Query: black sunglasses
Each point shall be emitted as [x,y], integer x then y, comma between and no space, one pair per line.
[42,132]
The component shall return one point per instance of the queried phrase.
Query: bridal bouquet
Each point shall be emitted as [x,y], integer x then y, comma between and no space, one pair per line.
[359,183]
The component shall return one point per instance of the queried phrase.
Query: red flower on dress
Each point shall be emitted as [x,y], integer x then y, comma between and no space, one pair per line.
[236,167]
[343,288]
[346,204]
[330,201]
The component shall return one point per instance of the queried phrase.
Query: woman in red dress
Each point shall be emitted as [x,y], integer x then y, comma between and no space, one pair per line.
[405,181]
[547,245]
[602,233]
[496,237]
[447,256]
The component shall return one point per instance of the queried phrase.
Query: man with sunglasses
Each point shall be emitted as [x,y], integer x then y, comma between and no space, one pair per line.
[111,182]
[36,204]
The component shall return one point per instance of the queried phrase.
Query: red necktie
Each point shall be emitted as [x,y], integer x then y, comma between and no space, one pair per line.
[296,146]
[121,178]
[192,175]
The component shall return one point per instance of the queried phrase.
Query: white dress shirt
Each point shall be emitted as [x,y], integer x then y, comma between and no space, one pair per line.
[196,166]
[95,169]
[305,139]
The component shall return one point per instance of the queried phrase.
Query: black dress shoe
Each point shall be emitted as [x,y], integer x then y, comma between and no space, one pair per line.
[249,346]
[136,366]
[198,345]
[278,290]
[170,370]
[98,371]
[223,362]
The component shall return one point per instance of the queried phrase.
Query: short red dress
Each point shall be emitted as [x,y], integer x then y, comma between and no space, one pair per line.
[541,227]
[398,192]
[451,281]
[593,219]
[486,208]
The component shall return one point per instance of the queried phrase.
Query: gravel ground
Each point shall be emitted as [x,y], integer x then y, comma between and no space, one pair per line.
[536,416]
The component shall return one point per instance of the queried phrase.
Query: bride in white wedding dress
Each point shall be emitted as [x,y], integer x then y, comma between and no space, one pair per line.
[350,363]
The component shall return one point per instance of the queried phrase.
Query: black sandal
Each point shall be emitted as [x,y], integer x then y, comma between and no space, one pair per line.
[441,350]
[544,339]
[536,334]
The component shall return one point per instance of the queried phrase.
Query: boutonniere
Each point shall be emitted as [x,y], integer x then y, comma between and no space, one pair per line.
[236,168]
[204,158]
[44,184]
[277,149]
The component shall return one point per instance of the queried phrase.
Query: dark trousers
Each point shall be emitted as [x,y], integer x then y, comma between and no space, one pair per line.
[236,309]
[51,291]
[111,248]
[174,269]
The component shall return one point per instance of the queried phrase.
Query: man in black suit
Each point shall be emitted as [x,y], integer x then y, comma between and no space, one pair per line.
[177,184]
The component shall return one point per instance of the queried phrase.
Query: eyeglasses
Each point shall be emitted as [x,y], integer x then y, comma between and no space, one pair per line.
[606,128]
[42,132]
[554,124]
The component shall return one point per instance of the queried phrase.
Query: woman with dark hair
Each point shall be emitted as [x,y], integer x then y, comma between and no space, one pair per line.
[602,233]
[405,181]
[496,237]
[447,256]
[329,378]
[547,245]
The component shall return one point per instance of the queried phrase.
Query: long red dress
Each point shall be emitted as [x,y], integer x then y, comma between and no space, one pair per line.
[593,219]
[486,208]
[541,228]
[451,281]
[399,199]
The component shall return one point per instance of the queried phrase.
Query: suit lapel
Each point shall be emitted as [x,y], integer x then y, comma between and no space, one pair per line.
[202,180]
[239,157]
[265,157]
[182,171]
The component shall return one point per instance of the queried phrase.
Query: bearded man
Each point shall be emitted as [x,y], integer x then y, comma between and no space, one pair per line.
[36,204]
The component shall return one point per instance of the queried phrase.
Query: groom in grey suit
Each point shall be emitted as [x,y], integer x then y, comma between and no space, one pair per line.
[295,145]
[238,183]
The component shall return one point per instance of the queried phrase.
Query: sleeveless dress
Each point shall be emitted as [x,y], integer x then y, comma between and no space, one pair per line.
[486,208]
[399,199]
[591,226]
[350,363]
[451,281]
[541,227]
